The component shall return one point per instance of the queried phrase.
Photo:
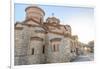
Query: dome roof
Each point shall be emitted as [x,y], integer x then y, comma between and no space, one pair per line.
[36,8]
[75,36]
[52,20]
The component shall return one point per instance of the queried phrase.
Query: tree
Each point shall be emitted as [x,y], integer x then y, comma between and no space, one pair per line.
[91,45]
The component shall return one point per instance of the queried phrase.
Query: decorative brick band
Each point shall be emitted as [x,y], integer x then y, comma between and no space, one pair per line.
[36,38]
[55,39]
[30,25]
[66,35]
[40,31]
[18,28]
[35,7]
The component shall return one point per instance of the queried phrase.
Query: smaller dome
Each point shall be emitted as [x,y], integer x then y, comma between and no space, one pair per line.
[52,20]
[75,37]
[68,26]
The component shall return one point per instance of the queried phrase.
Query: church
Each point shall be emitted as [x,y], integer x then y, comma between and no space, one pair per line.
[41,42]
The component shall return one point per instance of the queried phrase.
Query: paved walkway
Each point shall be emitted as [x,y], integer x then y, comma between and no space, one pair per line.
[89,57]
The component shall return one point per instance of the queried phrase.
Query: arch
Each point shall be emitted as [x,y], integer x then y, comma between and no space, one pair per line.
[36,38]
[55,39]
[55,44]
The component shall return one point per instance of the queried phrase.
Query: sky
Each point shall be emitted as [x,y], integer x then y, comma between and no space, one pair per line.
[81,19]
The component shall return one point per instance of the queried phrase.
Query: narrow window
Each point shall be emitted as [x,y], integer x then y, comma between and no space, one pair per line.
[43,49]
[54,48]
[71,51]
[32,51]
[41,19]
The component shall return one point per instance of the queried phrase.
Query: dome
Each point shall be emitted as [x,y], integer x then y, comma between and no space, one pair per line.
[75,37]
[30,8]
[52,20]
[36,13]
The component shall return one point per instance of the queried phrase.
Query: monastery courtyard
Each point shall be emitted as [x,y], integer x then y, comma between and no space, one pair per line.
[80,58]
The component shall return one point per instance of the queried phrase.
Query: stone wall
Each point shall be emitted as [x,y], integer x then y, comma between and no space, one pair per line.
[35,38]
[63,52]
[21,46]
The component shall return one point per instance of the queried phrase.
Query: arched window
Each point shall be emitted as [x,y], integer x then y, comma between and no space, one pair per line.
[56,47]
[55,44]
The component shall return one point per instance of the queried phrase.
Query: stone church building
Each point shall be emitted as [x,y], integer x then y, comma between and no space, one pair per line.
[40,42]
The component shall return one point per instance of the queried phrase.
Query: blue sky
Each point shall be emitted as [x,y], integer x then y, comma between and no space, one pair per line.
[81,19]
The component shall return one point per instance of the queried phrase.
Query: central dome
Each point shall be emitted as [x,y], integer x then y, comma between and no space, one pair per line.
[34,12]
[33,8]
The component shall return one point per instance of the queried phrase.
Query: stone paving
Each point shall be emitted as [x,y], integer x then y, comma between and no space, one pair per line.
[89,57]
